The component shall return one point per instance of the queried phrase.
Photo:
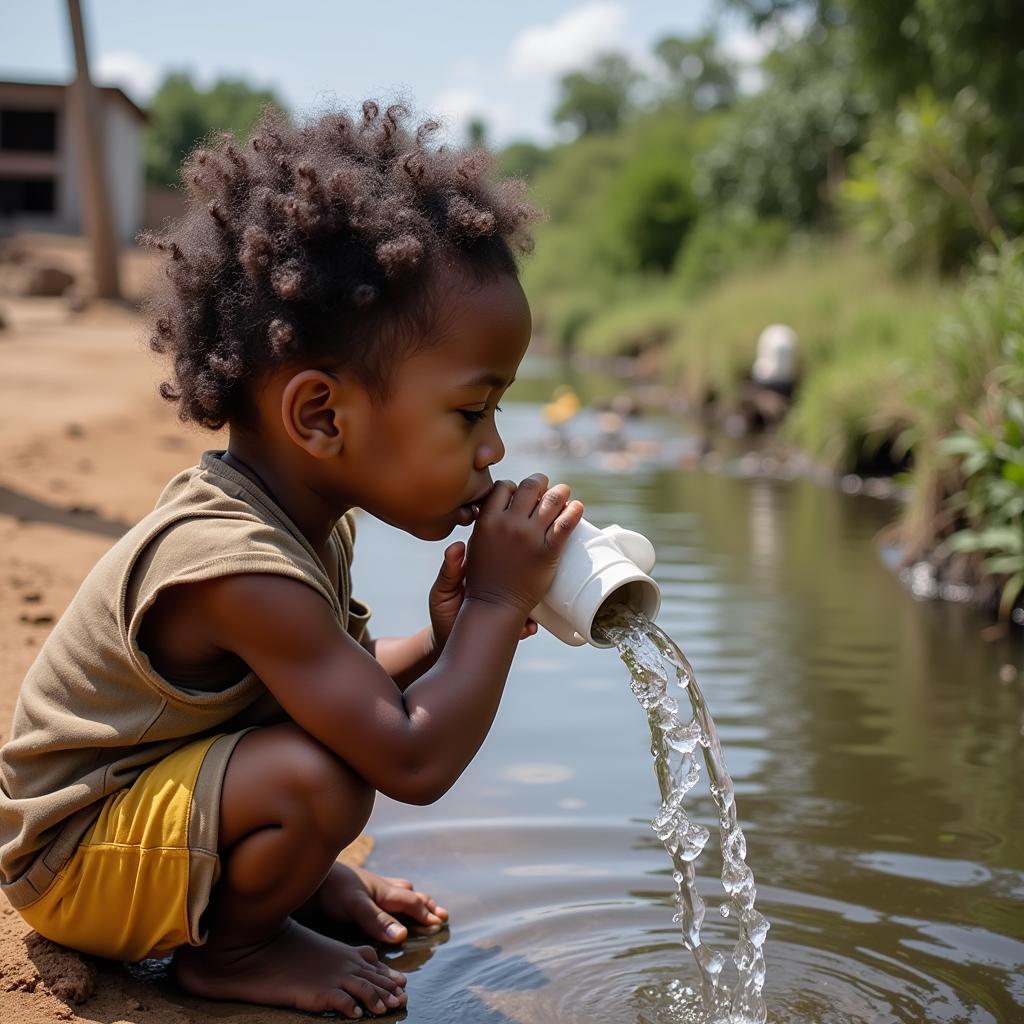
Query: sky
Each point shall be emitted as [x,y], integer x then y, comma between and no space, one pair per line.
[455,59]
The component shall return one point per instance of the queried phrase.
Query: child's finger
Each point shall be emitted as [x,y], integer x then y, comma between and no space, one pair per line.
[551,504]
[451,571]
[499,497]
[528,493]
[559,530]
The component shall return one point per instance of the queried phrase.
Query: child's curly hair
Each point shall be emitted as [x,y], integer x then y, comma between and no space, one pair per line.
[314,245]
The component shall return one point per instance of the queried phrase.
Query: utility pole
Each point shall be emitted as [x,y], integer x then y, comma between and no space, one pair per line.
[87,115]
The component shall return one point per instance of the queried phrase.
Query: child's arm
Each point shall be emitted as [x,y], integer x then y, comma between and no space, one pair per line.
[410,746]
[406,658]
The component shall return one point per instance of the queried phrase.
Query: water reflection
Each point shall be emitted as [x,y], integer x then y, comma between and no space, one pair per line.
[876,753]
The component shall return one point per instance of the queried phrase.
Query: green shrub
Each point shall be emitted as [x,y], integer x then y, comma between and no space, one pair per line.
[720,245]
[837,297]
[646,315]
[989,448]
[930,183]
[651,207]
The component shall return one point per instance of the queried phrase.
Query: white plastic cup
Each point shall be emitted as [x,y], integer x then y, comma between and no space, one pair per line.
[598,567]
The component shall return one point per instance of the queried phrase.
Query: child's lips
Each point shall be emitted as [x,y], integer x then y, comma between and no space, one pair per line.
[465,515]
[468,513]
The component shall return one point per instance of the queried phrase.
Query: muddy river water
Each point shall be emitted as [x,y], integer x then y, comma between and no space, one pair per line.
[874,740]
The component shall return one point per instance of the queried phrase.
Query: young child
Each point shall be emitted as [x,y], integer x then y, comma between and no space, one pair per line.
[209,721]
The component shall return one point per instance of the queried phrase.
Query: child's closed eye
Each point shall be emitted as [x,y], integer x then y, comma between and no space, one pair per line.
[476,415]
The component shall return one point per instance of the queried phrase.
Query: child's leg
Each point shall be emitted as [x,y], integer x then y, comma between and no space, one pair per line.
[288,807]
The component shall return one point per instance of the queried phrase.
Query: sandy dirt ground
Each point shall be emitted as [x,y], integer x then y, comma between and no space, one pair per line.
[86,446]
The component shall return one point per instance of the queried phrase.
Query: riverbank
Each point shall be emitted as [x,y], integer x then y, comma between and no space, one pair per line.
[915,381]
[86,446]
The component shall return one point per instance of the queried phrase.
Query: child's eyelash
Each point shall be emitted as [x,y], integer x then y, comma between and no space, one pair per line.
[476,415]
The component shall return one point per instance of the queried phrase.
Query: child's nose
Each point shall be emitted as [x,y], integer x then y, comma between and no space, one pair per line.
[491,452]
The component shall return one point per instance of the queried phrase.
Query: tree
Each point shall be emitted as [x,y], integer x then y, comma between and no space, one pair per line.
[698,73]
[944,45]
[651,207]
[476,132]
[783,151]
[598,98]
[931,185]
[182,115]
[522,160]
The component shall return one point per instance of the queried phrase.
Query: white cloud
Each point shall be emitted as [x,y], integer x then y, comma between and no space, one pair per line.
[134,75]
[570,41]
[458,105]
[514,97]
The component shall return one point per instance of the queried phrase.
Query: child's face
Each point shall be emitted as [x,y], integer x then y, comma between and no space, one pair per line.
[418,460]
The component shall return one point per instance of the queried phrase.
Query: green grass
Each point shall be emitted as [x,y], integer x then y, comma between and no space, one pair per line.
[867,338]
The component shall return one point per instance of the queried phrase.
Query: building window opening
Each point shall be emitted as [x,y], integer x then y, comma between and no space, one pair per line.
[28,131]
[27,195]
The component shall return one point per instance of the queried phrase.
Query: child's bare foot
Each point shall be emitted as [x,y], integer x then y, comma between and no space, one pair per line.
[296,968]
[352,895]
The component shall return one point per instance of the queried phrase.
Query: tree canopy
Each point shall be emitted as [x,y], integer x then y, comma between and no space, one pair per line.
[182,114]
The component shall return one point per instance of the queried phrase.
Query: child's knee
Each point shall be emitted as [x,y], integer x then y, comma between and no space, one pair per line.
[280,775]
[326,786]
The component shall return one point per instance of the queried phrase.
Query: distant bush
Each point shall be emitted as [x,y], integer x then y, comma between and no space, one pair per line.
[648,314]
[783,152]
[720,245]
[931,184]
[839,299]
[521,160]
[651,207]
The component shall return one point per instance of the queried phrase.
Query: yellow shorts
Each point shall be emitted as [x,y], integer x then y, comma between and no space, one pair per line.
[140,879]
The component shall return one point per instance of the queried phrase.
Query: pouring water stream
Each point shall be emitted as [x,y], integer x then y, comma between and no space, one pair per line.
[653,659]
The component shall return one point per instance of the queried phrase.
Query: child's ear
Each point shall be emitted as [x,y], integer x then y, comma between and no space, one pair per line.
[313,412]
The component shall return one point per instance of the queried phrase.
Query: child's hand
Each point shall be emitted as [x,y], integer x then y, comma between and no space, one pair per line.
[447,593]
[517,541]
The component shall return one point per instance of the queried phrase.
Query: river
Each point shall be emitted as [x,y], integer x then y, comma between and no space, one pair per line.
[875,742]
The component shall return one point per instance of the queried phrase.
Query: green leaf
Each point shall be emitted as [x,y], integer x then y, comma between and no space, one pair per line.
[1006,538]
[966,540]
[960,444]
[974,463]
[1014,473]
[1002,564]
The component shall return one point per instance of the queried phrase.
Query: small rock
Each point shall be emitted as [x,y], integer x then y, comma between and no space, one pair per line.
[43,619]
[33,598]
[77,301]
[74,430]
[46,280]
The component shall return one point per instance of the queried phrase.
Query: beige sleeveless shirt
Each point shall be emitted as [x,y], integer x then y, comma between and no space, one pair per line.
[93,713]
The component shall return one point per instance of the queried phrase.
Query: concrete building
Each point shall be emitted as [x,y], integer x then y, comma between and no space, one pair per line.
[40,175]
